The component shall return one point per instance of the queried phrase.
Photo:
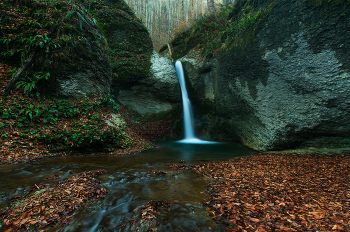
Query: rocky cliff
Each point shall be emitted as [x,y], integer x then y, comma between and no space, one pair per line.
[154,97]
[287,87]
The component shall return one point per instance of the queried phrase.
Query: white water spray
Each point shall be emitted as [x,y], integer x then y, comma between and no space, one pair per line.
[189,131]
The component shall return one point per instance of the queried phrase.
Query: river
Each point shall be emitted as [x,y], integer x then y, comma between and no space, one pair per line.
[132,185]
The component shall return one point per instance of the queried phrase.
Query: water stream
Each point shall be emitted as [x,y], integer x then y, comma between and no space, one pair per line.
[187,110]
[131,185]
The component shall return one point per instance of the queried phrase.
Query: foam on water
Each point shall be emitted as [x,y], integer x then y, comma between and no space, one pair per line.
[195,141]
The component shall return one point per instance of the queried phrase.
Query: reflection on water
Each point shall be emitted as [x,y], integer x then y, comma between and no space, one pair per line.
[131,185]
[211,151]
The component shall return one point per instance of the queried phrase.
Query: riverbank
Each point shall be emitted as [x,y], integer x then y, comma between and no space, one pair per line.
[51,205]
[35,127]
[263,192]
[280,192]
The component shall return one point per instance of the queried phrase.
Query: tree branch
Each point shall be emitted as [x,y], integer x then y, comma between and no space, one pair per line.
[171,53]
[26,64]
[19,72]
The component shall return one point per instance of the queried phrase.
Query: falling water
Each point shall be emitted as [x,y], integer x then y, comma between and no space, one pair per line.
[189,131]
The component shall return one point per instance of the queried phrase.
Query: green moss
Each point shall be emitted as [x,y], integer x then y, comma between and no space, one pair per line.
[62,43]
[130,47]
[325,3]
[76,37]
[244,28]
[235,26]
[73,39]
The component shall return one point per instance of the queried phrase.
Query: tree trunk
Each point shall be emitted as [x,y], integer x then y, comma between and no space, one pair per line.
[171,53]
[26,64]
[19,72]
[211,6]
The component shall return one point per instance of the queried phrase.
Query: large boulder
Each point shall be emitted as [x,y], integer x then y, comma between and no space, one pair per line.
[288,88]
[154,97]
[91,47]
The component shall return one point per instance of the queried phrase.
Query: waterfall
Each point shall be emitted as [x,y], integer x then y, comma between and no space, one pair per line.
[187,110]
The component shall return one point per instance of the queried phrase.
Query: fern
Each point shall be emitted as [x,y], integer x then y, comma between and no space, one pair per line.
[69,15]
[81,19]
[30,83]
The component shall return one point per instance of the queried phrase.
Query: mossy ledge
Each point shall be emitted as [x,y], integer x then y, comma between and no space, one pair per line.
[233,26]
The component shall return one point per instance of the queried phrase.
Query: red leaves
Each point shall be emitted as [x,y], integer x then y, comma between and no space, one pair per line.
[149,211]
[274,192]
[147,216]
[157,172]
[53,177]
[179,168]
[49,205]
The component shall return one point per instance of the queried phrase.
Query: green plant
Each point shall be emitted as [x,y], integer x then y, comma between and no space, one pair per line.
[219,32]
[80,17]
[344,143]
[33,121]
[29,83]
[324,3]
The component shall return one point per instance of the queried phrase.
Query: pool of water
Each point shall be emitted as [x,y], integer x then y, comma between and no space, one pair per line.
[131,185]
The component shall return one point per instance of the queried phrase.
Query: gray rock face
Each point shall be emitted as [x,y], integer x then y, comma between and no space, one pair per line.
[155,96]
[102,49]
[91,78]
[288,89]
[82,71]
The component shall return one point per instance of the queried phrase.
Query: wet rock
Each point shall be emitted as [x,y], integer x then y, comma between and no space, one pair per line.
[287,89]
[156,96]
[3,197]
[186,224]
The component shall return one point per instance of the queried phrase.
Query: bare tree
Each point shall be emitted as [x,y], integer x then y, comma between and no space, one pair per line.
[211,5]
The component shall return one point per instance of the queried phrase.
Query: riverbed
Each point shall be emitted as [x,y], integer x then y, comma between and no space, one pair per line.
[132,181]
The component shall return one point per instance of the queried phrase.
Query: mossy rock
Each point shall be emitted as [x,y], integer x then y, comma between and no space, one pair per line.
[233,27]
[129,44]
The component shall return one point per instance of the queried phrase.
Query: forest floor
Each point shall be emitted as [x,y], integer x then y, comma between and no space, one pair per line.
[279,192]
[265,192]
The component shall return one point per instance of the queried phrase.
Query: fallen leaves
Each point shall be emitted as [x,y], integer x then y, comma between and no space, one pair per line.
[179,168]
[149,210]
[147,216]
[272,192]
[53,177]
[49,205]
